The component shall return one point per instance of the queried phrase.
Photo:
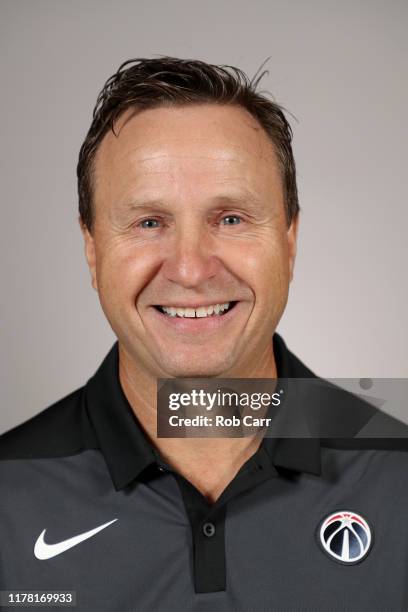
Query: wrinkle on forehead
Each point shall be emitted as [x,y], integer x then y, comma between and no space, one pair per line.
[224,123]
[216,155]
[167,139]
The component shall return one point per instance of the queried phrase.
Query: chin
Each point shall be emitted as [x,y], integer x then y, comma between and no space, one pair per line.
[199,369]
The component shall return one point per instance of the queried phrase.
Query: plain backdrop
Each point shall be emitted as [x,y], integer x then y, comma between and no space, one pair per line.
[339,67]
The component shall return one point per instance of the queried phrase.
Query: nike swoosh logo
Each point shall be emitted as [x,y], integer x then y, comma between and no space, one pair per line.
[42,550]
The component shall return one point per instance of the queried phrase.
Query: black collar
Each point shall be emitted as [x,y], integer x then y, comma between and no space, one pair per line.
[127,450]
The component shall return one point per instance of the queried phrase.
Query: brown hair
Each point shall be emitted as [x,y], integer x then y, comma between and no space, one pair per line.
[169,81]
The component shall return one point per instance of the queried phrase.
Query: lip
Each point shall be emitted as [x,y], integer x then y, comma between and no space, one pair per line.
[196,325]
[193,305]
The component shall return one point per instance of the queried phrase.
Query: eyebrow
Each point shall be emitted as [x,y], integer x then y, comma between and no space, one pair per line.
[244,199]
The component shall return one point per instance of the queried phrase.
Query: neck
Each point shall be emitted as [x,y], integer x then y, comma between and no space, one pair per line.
[208,463]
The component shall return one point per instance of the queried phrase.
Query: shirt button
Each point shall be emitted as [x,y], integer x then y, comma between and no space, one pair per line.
[209,529]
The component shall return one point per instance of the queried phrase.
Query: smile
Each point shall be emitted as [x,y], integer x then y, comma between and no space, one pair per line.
[200,312]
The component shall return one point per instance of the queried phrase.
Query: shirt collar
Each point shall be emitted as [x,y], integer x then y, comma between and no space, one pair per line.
[299,454]
[128,452]
[122,440]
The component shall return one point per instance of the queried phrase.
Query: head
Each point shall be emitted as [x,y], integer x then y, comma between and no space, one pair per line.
[188,201]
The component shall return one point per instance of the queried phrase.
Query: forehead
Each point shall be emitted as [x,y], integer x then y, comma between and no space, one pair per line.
[170,147]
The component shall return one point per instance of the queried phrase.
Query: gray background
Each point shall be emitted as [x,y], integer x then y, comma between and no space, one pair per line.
[340,68]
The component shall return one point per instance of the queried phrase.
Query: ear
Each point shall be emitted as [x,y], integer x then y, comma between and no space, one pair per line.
[292,244]
[89,252]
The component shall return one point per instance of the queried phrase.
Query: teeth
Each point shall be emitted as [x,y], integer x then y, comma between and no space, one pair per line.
[201,312]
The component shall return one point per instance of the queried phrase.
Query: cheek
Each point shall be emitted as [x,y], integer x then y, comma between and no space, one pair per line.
[265,267]
[123,273]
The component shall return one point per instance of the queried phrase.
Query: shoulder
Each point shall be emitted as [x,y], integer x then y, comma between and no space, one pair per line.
[349,421]
[340,419]
[60,429]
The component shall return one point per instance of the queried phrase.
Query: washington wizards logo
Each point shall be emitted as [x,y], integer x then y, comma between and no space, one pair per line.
[345,536]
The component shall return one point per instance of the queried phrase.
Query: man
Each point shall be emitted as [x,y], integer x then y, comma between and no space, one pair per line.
[189,213]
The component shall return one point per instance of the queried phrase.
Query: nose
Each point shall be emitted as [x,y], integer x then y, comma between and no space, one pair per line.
[191,259]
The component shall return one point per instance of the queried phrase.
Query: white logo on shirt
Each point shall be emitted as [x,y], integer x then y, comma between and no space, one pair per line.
[42,550]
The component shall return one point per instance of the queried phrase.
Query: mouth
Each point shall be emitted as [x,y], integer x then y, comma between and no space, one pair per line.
[197,322]
[197,312]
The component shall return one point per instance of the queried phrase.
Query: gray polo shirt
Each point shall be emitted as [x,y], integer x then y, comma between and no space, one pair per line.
[87,505]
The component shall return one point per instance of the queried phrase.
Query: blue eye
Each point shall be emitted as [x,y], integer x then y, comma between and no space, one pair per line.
[149,223]
[231,220]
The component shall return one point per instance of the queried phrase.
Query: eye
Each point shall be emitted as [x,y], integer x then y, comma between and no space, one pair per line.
[231,220]
[149,223]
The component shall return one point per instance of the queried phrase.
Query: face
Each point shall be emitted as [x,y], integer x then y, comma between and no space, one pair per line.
[189,218]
